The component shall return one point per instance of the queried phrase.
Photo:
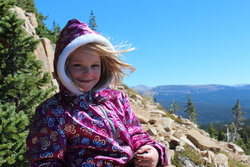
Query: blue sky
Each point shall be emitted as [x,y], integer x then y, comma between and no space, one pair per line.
[178,42]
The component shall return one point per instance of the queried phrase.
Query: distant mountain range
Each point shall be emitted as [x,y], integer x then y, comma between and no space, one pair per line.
[213,103]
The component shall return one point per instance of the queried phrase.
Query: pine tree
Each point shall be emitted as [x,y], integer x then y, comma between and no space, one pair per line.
[54,33]
[5,5]
[221,136]
[13,131]
[212,131]
[92,21]
[27,5]
[190,110]
[23,86]
[21,72]
[238,119]
[244,141]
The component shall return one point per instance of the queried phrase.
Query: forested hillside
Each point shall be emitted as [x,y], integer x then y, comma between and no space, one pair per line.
[213,103]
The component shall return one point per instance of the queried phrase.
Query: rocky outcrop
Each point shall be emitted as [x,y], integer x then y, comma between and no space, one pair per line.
[45,49]
[176,133]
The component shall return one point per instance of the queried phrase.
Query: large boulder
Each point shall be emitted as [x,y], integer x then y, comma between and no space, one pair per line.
[49,52]
[202,142]
[40,54]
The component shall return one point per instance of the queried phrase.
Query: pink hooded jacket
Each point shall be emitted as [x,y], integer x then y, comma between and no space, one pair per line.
[77,129]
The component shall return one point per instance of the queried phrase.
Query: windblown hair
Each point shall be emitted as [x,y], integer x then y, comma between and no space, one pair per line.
[113,69]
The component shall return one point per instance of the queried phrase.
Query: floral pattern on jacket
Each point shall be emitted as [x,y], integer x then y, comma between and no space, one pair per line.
[94,129]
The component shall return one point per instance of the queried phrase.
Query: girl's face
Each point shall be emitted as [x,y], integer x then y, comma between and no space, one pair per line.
[84,68]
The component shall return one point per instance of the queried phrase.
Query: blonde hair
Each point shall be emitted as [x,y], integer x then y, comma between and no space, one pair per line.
[113,69]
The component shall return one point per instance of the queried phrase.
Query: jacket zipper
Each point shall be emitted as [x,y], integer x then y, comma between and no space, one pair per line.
[111,124]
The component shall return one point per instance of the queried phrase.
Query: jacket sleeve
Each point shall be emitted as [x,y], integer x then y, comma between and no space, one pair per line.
[46,141]
[138,135]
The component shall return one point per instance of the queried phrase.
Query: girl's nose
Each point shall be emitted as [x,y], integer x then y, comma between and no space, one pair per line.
[87,70]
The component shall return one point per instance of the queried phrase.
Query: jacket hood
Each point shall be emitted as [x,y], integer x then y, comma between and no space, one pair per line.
[74,35]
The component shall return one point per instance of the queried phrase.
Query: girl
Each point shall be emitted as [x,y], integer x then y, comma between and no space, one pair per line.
[87,124]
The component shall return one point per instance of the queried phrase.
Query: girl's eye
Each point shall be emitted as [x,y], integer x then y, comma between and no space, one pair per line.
[77,65]
[96,65]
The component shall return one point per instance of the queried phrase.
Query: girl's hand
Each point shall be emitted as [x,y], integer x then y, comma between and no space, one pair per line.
[146,156]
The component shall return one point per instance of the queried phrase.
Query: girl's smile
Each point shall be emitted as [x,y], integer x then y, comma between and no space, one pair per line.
[84,68]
